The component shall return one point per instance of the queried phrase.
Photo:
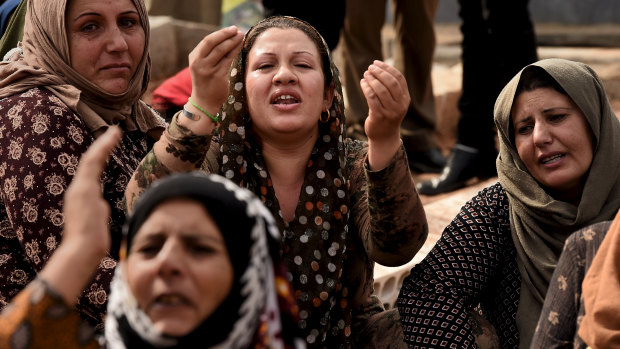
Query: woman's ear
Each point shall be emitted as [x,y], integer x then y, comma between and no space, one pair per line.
[329,97]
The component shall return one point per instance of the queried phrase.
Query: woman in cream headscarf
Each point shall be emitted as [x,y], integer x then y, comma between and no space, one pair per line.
[81,67]
[558,172]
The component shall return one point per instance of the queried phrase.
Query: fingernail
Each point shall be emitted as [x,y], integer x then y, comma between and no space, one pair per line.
[371,67]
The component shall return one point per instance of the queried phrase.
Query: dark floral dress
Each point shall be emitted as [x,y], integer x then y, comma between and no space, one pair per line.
[41,141]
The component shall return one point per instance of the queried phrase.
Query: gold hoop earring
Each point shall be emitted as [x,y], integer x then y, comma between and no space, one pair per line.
[325,120]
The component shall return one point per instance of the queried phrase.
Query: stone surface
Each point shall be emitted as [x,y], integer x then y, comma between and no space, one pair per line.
[547,34]
[203,11]
[188,35]
[163,42]
[558,11]
[171,42]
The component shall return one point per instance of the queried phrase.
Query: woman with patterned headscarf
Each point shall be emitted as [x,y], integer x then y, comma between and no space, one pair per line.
[558,172]
[341,205]
[81,67]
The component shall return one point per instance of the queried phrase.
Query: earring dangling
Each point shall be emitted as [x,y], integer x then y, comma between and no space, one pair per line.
[325,120]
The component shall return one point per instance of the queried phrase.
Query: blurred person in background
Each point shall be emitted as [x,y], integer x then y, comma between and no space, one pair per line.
[498,41]
[414,46]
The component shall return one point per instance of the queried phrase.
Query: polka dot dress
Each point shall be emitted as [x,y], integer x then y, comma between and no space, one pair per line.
[315,241]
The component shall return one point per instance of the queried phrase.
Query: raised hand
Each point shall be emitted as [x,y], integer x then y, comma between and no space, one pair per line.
[388,99]
[85,210]
[209,64]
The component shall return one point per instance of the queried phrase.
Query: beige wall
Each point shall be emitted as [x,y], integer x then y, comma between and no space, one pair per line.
[203,11]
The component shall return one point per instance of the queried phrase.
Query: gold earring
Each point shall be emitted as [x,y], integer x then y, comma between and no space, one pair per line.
[325,120]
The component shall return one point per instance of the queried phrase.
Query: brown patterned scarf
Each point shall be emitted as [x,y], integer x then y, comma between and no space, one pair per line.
[315,242]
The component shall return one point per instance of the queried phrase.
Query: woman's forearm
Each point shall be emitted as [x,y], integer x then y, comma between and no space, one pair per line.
[382,153]
[398,226]
[178,150]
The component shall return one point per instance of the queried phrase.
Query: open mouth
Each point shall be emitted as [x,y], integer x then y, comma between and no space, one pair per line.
[552,159]
[171,300]
[285,99]
[116,67]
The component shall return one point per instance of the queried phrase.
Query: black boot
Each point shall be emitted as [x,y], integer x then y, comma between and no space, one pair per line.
[429,161]
[463,165]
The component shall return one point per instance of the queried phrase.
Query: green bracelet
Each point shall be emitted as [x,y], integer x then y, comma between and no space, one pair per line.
[214,118]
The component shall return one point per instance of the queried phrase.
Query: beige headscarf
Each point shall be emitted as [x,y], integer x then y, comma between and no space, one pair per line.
[539,223]
[600,327]
[46,63]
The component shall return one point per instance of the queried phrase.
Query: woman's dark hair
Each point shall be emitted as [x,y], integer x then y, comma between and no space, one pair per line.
[286,22]
[534,77]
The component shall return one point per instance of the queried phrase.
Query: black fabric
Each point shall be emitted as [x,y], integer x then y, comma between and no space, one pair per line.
[495,47]
[327,23]
[228,212]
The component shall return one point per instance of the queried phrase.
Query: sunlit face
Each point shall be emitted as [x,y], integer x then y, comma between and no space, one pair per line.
[178,267]
[106,41]
[553,140]
[285,84]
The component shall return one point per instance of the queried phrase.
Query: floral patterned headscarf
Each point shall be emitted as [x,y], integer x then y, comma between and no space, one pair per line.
[315,241]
